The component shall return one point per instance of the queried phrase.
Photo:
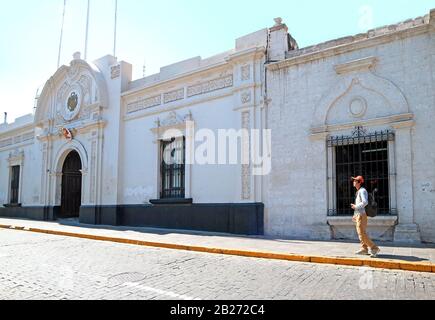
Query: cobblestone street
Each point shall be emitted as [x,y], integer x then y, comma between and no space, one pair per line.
[35,266]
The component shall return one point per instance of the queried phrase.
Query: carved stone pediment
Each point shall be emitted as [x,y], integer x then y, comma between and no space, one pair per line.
[173,119]
[173,125]
[16,157]
[70,94]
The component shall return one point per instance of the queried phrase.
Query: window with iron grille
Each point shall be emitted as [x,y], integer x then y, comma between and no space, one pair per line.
[173,155]
[15,184]
[364,155]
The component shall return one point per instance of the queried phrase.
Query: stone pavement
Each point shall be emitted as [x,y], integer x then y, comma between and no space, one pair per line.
[419,257]
[36,266]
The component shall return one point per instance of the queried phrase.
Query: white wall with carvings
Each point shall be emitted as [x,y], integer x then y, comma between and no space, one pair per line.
[381,80]
[329,92]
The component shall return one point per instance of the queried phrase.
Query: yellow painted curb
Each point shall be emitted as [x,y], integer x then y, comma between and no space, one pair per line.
[381,264]
[323,260]
[374,263]
[416,267]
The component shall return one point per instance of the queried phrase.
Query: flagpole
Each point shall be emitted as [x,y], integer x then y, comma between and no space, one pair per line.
[61,34]
[87,32]
[116,22]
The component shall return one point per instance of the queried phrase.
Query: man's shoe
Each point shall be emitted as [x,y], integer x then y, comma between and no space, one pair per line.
[362,252]
[375,253]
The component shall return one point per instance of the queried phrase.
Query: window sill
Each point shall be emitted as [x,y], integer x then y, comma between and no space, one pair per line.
[12,205]
[389,221]
[171,201]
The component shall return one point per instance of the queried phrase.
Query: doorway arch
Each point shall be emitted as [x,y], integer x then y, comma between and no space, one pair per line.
[71,197]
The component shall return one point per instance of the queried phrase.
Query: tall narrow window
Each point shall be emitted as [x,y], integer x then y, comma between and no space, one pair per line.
[366,155]
[15,184]
[173,168]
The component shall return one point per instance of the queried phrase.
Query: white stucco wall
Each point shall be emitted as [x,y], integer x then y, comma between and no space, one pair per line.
[296,199]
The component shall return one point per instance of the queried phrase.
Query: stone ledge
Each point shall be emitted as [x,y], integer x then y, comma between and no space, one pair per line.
[381,221]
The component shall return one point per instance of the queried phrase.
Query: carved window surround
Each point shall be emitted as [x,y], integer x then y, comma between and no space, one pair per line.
[175,126]
[395,121]
[402,132]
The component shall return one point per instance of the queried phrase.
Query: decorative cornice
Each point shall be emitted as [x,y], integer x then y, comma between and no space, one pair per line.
[256,53]
[11,130]
[356,65]
[395,121]
[358,44]
[155,85]
[403,124]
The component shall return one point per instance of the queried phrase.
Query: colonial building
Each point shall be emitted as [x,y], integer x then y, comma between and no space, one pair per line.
[98,145]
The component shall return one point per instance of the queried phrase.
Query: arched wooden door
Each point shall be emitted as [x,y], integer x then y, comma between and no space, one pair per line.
[71,186]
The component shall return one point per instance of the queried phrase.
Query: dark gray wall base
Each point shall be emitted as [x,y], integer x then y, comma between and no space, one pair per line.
[32,213]
[243,219]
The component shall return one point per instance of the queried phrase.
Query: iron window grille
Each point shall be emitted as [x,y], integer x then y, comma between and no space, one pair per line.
[364,155]
[15,184]
[173,168]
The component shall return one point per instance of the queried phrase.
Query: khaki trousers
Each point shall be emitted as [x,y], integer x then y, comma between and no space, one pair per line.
[361,228]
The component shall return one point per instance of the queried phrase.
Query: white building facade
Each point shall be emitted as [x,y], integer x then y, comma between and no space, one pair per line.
[97,144]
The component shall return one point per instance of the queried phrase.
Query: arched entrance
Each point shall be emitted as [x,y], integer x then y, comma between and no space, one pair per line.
[71,199]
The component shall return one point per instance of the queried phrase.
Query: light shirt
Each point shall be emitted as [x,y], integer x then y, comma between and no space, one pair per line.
[361,202]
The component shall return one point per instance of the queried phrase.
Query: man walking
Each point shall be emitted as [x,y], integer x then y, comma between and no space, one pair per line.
[361,220]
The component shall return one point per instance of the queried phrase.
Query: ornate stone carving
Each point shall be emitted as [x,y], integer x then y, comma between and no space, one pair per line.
[6,143]
[44,170]
[173,96]
[61,94]
[171,119]
[213,85]
[93,170]
[246,97]
[246,168]
[115,71]
[30,136]
[17,139]
[26,137]
[246,73]
[85,83]
[144,103]
[358,107]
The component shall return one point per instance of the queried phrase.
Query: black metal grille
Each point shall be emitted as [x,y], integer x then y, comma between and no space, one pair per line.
[173,168]
[15,184]
[362,155]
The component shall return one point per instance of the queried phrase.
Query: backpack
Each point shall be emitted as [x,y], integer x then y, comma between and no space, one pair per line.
[372,208]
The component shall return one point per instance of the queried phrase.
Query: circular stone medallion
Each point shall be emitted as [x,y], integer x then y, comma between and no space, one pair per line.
[358,107]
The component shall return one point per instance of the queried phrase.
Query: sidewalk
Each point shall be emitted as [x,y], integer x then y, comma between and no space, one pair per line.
[393,256]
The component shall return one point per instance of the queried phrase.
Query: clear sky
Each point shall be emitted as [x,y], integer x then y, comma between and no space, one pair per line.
[159,33]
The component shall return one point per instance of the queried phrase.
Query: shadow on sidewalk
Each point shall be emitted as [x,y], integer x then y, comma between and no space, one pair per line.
[402,258]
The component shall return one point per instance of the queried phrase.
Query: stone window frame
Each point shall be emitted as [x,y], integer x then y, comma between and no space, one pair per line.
[332,175]
[178,128]
[177,140]
[15,159]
